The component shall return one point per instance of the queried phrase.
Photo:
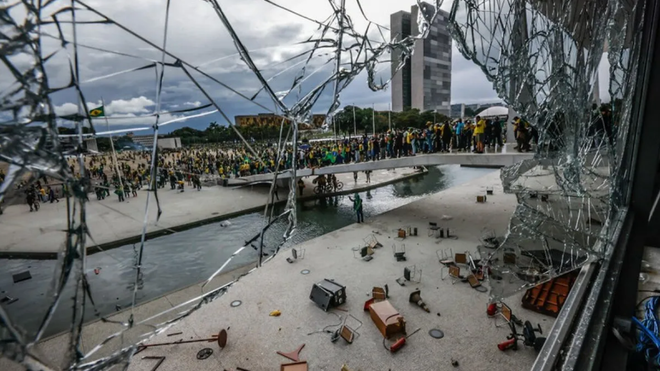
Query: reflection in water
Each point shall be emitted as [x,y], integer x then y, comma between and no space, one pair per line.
[186,258]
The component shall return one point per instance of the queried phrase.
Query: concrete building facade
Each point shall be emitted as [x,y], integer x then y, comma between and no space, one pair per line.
[148,141]
[425,80]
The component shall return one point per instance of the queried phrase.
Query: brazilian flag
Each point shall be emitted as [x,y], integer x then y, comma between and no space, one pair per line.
[97,112]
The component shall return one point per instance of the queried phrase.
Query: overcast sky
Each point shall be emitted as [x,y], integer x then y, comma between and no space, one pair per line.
[198,37]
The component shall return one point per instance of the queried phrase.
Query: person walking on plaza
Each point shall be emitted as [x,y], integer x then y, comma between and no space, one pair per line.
[52,196]
[479,133]
[357,207]
[120,193]
[301,187]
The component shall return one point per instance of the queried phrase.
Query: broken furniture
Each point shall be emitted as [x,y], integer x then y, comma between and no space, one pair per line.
[505,312]
[399,252]
[387,319]
[412,274]
[399,343]
[481,199]
[410,231]
[529,337]
[346,332]
[473,281]
[401,233]
[8,300]
[294,356]
[455,274]
[295,366]
[372,242]
[549,297]
[327,294]
[379,293]
[296,254]
[445,257]
[365,252]
[416,298]
[434,230]
[220,338]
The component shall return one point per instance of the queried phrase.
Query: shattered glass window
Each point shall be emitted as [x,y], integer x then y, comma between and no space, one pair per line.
[50,79]
[543,59]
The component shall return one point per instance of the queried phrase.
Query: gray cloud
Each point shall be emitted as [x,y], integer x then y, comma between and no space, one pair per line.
[196,35]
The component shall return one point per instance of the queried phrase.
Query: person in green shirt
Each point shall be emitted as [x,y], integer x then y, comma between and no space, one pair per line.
[357,207]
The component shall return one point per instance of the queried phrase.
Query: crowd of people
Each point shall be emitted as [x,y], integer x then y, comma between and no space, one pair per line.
[125,173]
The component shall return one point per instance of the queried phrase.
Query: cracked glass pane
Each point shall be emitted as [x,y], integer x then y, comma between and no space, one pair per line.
[543,60]
[51,110]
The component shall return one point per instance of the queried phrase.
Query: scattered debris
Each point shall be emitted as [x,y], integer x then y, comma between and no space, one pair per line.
[489,191]
[22,276]
[275,313]
[204,353]
[399,253]
[454,362]
[160,359]
[241,369]
[327,294]
[528,336]
[446,217]
[378,293]
[386,318]
[220,338]
[225,223]
[296,254]
[296,366]
[401,234]
[481,199]
[8,300]
[416,298]
[400,342]
[412,274]
[365,252]
[294,356]
[434,230]
[97,270]
[176,333]
[548,298]
[372,242]
[345,332]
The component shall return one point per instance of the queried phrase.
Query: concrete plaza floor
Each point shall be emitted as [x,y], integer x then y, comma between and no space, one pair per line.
[41,234]
[470,336]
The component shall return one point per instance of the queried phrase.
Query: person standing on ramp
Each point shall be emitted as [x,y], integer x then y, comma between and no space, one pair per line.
[357,206]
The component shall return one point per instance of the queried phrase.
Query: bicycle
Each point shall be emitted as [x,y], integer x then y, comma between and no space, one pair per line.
[328,188]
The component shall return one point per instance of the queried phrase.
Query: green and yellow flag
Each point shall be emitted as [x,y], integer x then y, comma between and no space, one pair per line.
[97,112]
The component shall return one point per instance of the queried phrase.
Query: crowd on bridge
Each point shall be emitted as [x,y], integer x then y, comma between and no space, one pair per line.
[125,173]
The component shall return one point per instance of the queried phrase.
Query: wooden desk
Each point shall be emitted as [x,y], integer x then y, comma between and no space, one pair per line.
[387,318]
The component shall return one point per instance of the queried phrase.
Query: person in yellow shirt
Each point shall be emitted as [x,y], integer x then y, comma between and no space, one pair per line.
[479,131]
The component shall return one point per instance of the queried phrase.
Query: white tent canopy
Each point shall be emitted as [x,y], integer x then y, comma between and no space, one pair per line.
[494,111]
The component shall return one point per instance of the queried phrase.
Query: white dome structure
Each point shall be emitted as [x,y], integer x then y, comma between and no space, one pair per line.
[494,111]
